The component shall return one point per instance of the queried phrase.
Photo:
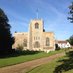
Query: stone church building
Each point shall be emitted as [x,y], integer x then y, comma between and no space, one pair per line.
[36,38]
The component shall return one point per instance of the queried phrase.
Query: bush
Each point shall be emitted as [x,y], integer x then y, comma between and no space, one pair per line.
[57,47]
[20,47]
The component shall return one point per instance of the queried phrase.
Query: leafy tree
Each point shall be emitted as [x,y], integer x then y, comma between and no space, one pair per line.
[6,39]
[70,40]
[71,13]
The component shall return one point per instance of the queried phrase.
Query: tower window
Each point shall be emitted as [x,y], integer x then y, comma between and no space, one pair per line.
[36,25]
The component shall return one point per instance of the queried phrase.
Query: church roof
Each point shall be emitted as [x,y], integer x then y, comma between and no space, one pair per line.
[62,42]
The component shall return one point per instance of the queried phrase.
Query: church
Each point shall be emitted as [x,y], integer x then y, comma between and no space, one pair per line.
[36,38]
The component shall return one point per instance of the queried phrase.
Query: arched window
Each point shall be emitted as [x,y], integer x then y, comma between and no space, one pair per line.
[36,44]
[47,41]
[36,25]
[25,43]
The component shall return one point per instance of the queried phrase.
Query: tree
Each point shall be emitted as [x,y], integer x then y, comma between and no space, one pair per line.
[71,13]
[70,40]
[6,39]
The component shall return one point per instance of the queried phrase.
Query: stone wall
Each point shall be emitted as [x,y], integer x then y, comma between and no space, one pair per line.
[19,39]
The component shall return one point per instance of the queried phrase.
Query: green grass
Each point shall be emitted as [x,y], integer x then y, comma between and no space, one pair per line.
[48,68]
[45,68]
[23,58]
[51,66]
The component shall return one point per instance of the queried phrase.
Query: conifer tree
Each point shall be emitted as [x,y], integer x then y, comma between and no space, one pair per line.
[6,39]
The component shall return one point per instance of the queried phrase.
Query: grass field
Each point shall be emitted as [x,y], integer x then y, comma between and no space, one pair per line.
[45,68]
[60,65]
[15,59]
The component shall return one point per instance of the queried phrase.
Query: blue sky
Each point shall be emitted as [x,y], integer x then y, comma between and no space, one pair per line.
[53,12]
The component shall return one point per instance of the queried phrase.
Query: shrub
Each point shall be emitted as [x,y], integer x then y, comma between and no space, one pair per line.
[20,47]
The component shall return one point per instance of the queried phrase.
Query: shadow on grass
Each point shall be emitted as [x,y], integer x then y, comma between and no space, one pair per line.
[66,64]
[15,53]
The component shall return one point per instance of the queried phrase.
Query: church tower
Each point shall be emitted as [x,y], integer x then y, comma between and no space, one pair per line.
[35,34]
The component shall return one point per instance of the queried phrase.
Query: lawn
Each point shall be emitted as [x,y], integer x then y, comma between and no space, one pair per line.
[59,65]
[46,68]
[15,59]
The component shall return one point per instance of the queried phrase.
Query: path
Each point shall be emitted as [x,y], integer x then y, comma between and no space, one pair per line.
[23,67]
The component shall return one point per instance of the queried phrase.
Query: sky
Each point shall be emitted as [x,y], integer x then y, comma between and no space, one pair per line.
[53,12]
